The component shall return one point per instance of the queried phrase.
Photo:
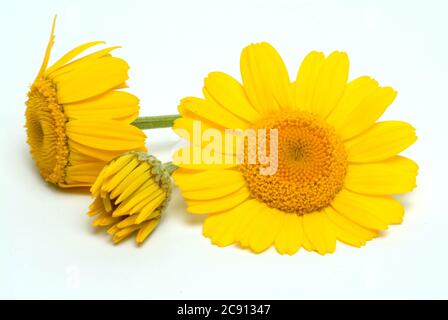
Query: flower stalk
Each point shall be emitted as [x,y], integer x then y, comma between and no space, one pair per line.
[153,122]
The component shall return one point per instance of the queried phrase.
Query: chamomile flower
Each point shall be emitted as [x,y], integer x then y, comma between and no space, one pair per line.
[337,167]
[78,117]
[131,193]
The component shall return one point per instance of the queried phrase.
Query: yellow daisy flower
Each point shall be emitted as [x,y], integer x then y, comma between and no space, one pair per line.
[131,193]
[337,167]
[77,116]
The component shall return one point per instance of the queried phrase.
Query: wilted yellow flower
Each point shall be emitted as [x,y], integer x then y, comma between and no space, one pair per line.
[131,193]
[77,116]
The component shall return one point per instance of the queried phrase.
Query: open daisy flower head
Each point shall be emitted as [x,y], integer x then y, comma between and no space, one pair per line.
[131,193]
[77,116]
[335,167]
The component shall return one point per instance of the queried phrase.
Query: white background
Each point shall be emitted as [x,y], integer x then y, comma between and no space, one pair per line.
[48,248]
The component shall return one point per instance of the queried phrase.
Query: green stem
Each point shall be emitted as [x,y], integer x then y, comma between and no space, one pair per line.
[170,167]
[155,121]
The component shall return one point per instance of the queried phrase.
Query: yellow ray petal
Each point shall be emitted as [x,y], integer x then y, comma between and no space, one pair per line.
[212,112]
[96,207]
[151,202]
[195,158]
[383,140]
[365,114]
[368,211]
[249,211]
[77,157]
[355,93]
[291,236]
[124,233]
[71,55]
[184,127]
[192,117]
[265,229]
[80,152]
[221,227]
[382,208]
[148,210]
[104,220]
[318,230]
[132,188]
[47,52]
[113,105]
[265,78]
[193,130]
[284,243]
[141,197]
[348,231]
[220,204]
[107,203]
[146,230]
[330,83]
[81,62]
[105,134]
[393,176]
[117,164]
[229,94]
[140,170]
[189,180]
[90,81]
[243,236]
[95,188]
[212,193]
[113,230]
[115,180]
[83,172]
[131,220]
[305,83]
